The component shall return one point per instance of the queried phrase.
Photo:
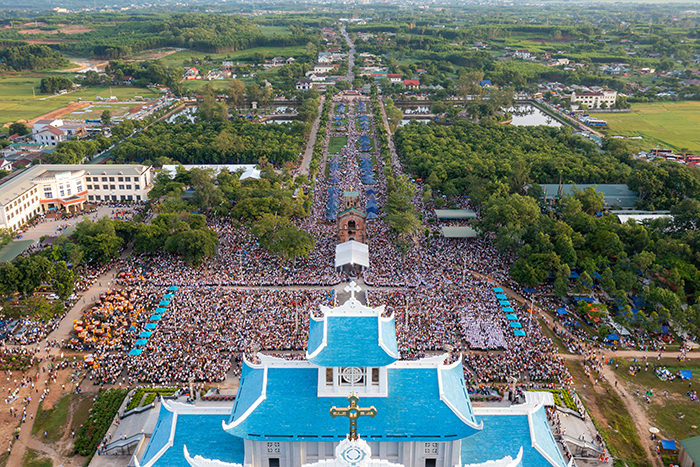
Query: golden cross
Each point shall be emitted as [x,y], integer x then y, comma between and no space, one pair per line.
[353,412]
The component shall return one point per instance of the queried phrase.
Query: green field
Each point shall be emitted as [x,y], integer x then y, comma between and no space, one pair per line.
[247,55]
[667,124]
[676,414]
[18,103]
[336,143]
[271,31]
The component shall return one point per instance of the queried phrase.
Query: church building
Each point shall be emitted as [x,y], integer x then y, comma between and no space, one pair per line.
[351,221]
[352,402]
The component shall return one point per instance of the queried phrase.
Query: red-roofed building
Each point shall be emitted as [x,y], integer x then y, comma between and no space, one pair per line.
[411,83]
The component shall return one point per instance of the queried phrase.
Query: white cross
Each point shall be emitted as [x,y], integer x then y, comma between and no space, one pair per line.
[352,288]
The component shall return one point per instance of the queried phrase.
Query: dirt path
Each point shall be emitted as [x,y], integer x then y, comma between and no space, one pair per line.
[25,439]
[309,153]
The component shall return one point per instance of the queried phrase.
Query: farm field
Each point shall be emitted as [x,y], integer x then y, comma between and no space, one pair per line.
[17,102]
[95,110]
[667,124]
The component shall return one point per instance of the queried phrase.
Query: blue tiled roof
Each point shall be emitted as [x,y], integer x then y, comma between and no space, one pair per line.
[504,435]
[353,341]
[411,411]
[160,437]
[544,437]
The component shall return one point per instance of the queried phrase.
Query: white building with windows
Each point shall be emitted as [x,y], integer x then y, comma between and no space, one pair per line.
[44,188]
[595,100]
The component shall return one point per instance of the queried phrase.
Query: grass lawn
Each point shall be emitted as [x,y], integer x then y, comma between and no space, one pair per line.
[53,421]
[32,459]
[18,103]
[668,124]
[336,143]
[247,55]
[676,414]
[610,417]
[95,110]
[270,31]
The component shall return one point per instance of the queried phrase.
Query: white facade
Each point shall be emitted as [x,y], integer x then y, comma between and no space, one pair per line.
[595,100]
[44,188]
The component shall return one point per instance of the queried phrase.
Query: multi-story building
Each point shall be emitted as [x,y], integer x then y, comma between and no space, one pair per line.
[595,100]
[44,188]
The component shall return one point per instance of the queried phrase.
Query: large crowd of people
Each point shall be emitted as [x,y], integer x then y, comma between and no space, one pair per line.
[246,300]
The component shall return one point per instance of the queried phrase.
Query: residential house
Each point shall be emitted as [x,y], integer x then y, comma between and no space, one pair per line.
[322,68]
[304,84]
[522,53]
[394,78]
[411,83]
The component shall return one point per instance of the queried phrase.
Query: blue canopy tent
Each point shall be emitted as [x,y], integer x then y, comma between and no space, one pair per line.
[686,374]
[168,296]
[164,303]
[498,290]
[573,275]
[146,334]
[562,311]
[132,328]
[155,317]
[504,302]
[508,309]
[529,290]
[502,296]
[584,299]
[515,325]
[141,342]
[150,326]
[173,288]
[159,310]
[135,352]
[512,317]
[668,444]
[519,333]
[612,337]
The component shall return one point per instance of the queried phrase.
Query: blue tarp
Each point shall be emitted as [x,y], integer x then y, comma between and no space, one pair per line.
[164,303]
[668,444]
[159,310]
[529,290]
[584,299]
[502,296]
[135,351]
[146,334]
[519,333]
[498,290]
[512,317]
[141,342]
[173,287]
[155,317]
[562,311]
[168,296]
[508,309]
[686,374]
[150,326]
[504,302]
[516,325]
[613,337]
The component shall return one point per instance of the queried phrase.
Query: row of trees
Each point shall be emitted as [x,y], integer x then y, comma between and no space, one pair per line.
[54,84]
[33,57]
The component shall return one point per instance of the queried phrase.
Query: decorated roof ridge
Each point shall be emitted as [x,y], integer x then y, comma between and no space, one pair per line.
[353,209]
[454,394]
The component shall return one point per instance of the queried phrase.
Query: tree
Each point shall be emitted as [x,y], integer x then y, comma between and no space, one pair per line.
[561,281]
[62,280]
[98,240]
[19,128]
[106,117]
[236,93]
[584,283]
[193,245]
[509,217]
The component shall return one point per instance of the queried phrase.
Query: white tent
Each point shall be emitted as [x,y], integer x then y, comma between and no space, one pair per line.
[353,253]
[249,170]
[536,397]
